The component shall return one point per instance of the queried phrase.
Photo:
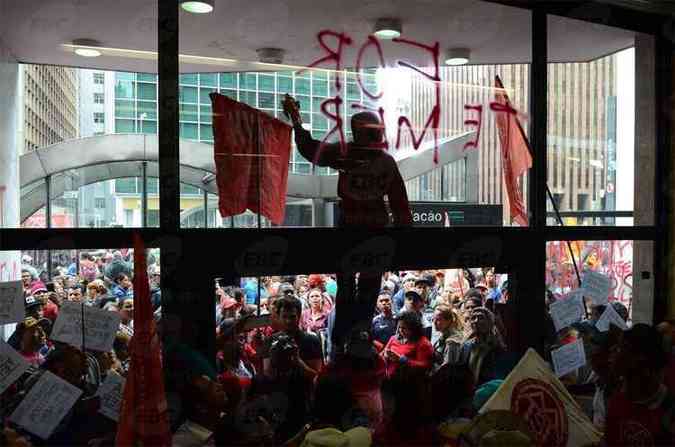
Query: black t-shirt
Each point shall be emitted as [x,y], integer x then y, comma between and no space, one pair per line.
[309,346]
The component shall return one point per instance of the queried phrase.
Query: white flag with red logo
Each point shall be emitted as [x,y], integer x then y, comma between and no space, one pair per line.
[533,392]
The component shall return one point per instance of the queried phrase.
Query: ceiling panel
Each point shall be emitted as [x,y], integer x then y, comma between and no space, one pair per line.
[35,29]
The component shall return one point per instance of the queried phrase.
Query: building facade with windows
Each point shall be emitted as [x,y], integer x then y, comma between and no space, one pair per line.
[50,107]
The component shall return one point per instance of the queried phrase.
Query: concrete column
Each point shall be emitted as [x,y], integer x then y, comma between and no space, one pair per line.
[645,171]
[10,261]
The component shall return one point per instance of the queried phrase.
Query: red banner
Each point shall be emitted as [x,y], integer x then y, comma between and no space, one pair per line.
[143,414]
[251,154]
[516,155]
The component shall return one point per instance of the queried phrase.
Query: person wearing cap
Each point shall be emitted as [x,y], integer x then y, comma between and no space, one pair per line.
[399,297]
[384,324]
[33,307]
[413,303]
[425,287]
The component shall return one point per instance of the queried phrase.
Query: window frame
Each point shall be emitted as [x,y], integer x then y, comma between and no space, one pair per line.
[186,245]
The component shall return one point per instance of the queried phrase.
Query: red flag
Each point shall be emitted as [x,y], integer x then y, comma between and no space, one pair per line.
[516,153]
[251,153]
[143,414]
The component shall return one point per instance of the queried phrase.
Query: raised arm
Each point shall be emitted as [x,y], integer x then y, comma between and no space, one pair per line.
[308,147]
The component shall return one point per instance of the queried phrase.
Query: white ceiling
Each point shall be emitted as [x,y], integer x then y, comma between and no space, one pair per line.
[35,29]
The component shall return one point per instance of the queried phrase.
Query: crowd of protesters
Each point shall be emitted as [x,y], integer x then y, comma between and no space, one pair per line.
[432,354]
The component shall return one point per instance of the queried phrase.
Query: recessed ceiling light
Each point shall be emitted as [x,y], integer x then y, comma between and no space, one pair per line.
[197,6]
[387,28]
[87,47]
[457,56]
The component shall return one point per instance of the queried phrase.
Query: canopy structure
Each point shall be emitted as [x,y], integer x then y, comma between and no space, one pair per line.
[79,162]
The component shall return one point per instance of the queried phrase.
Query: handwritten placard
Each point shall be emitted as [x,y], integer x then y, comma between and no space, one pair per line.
[596,285]
[610,316]
[568,358]
[45,405]
[100,326]
[110,393]
[11,302]
[568,310]
[12,366]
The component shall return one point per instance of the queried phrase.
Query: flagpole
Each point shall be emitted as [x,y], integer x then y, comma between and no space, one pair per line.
[500,85]
[259,166]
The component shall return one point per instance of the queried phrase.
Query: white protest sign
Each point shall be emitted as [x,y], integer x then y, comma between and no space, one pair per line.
[45,405]
[110,393]
[12,365]
[11,302]
[568,358]
[100,326]
[610,316]
[596,285]
[568,310]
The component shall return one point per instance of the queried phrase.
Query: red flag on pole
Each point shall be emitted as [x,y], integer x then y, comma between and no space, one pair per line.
[516,153]
[143,414]
[251,154]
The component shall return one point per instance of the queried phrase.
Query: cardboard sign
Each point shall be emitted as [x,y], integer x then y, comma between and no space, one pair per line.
[45,405]
[110,393]
[596,285]
[11,302]
[610,316]
[100,326]
[534,393]
[568,358]
[568,310]
[12,366]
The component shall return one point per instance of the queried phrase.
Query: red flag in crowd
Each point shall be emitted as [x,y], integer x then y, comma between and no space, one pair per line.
[143,414]
[251,153]
[516,154]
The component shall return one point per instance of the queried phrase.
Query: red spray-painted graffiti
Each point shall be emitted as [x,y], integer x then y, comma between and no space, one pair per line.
[334,56]
[611,258]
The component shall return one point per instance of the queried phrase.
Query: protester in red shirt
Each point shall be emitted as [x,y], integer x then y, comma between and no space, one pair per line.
[408,357]
[642,412]
[409,346]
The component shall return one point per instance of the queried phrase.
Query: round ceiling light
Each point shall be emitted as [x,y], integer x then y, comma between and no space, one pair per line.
[457,56]
[387,28]
[197,7]
[87,47]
